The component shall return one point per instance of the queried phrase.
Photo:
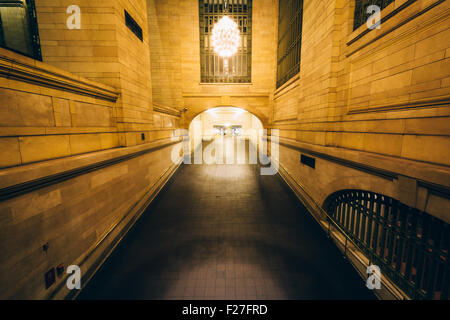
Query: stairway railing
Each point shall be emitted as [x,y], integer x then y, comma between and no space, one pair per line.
[409,246]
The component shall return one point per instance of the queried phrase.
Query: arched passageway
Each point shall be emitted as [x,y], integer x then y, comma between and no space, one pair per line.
[233,130]
[224,231]
[226,121]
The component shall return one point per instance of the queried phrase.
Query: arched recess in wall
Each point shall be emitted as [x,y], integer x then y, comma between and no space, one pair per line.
[192,112]
[427,200]
[360,181]
[224,121]
[211,121]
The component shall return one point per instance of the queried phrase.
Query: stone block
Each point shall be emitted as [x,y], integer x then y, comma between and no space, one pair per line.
[82,143]
[10,152]
[43,147]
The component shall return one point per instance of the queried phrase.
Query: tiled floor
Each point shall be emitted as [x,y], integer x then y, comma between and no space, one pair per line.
[225,232]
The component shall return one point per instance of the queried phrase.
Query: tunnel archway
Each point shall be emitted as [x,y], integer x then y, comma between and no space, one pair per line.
[227,122]
[225,116]
[261,111]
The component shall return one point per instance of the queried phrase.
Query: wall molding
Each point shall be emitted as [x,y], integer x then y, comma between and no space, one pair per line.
[423,103]
[42,75]
[365,30]
[385,174]
[392,29]
[441,190]
[287,86]
[220,95]
[166,110]
[19,189]
[287,119]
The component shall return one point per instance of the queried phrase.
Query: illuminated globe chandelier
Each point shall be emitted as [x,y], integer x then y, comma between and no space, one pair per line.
[225,37]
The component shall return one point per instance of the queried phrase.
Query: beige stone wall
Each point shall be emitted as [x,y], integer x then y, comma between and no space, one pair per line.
[104,50]
[39,120]
[51,124]
[136,112]
[362,102]
[174,33]
[396,86]
[92,51]
[88,102]
[75,217]
[165,38]
[92,92]
[379,98]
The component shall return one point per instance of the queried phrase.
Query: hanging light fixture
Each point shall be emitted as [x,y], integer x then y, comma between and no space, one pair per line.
[225,38]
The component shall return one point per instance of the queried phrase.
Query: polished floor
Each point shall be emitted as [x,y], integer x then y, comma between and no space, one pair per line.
[226,232]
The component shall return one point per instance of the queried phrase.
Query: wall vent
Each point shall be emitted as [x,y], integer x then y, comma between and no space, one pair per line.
[133,26]
[310,162]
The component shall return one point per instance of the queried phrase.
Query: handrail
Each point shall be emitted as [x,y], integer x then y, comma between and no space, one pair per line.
[411,246]
[323,212]
[347,238]
[16,190]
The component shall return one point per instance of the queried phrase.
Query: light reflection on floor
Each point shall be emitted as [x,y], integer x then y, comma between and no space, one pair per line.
[225,232]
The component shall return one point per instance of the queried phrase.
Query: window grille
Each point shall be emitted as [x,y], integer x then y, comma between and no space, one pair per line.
[18,27]
[289,39]
[239,65]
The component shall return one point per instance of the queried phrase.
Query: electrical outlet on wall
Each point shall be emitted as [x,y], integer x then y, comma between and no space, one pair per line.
[49,278]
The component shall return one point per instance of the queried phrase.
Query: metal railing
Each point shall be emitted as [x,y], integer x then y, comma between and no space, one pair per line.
[409,246]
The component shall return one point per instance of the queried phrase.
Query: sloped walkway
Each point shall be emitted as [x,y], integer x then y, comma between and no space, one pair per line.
[225,232]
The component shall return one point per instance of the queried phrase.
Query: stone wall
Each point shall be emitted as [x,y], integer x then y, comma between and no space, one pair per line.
[91,51]
[104,50]
[83,151]
[371,100]
[48,113]
[85,135]
[175,64]
[81,218]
